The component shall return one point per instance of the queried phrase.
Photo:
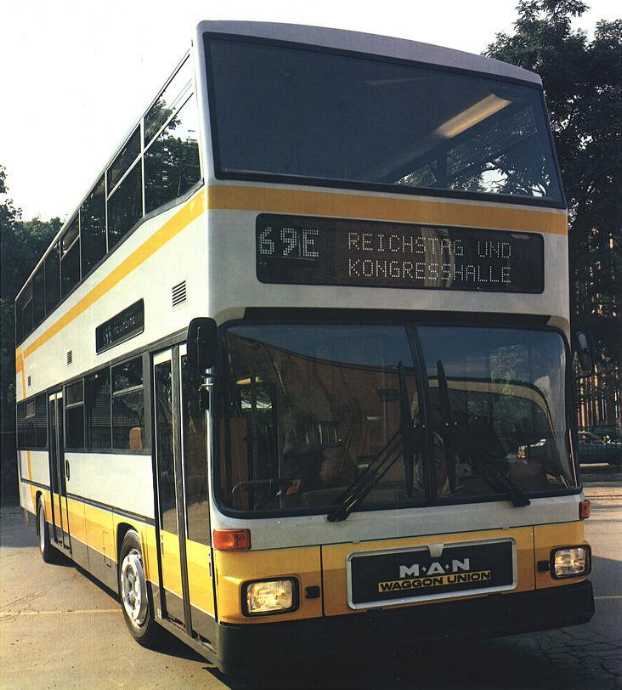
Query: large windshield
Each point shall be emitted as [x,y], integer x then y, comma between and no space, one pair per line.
[297,113]
[310,407]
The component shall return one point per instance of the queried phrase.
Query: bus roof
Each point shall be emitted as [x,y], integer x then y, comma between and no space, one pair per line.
[372,44]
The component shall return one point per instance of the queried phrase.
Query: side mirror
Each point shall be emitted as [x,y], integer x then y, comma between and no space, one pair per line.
[583,351]
[202,343]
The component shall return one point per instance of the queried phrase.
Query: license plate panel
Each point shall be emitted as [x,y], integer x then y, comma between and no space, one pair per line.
[399,576]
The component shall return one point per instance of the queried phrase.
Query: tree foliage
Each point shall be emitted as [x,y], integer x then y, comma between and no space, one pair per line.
[21,245]
[583,84]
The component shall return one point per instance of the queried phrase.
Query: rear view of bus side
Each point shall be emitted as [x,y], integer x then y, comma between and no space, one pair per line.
[298,368]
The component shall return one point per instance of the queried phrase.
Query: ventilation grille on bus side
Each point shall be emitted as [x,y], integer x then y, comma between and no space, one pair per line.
[178,293]
[69,356]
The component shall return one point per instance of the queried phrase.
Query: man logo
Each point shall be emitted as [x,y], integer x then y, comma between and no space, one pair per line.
[435,568]
[448,573]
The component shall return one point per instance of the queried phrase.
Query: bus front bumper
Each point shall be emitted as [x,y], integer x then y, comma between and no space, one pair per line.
[246,648]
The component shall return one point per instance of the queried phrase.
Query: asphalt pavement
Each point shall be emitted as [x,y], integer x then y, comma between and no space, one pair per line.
[60,629]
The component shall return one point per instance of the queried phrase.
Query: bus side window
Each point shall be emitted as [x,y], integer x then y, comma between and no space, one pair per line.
[52,280]
[70,257]
[93,227]
[97,409]
[74,416]
[24,313]
[128,405]
[172,159]
[38,297]
[125,190]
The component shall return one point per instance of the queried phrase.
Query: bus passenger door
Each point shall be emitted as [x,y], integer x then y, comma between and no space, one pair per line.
[174,596]
[58,486]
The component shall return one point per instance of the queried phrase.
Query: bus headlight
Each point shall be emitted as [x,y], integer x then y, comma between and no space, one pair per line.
[571,561]
[270,596]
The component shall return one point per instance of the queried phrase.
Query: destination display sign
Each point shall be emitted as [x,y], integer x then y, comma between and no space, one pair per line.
[126,324]
[323,251]
[409,574]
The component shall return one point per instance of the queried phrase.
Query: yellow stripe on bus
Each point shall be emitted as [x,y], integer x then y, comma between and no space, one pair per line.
[432,211]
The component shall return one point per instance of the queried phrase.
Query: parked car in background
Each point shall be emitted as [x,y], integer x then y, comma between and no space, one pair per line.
[595,449]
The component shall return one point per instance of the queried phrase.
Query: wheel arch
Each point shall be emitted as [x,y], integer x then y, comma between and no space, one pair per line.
[122,529]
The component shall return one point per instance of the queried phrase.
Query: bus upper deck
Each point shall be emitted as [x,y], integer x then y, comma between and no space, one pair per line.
[374,234]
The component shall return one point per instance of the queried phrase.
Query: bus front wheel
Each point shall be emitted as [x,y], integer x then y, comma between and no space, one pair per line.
[136,599]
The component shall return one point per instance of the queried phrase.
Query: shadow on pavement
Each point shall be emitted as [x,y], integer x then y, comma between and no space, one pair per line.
[521,662]
[17,531]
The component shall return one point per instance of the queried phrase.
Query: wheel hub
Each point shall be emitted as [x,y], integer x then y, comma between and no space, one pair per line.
[134,587]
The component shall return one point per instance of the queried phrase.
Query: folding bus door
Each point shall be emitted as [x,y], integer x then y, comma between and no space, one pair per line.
[172,535]
[60,518]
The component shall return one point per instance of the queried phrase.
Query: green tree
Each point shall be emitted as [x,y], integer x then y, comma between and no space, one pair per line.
[21,245]
[583,85]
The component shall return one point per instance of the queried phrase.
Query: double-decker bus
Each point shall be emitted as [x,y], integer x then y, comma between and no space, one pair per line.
[297,369]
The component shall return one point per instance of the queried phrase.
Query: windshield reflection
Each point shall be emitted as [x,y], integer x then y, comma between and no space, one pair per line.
[310,407]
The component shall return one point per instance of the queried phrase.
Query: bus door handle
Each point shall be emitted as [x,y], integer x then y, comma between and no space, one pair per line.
[67,470]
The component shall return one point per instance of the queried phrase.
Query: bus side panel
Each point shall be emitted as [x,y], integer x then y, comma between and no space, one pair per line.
[98,524]
[116,480]
[546,538]
[232,569]
[27,495]
[77,531]
[35,465]
[147,536]
[200,580]
[334,559]
[47,502]
[171,573]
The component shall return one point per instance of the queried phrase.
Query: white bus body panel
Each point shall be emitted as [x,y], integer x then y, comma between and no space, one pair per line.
[35,466]
[309,530]
[232,269]
[121,481]
[183,257]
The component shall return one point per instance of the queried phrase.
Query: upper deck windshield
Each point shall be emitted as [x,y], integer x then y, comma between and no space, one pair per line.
[315,116]
[309,407]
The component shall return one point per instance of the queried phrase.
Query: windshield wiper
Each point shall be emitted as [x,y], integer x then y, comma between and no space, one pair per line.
[502,482]
[499,482]
[406,428]
[363,484]
[447,422]
[384,460]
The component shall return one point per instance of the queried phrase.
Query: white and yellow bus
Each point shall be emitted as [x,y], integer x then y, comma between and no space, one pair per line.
[298,365]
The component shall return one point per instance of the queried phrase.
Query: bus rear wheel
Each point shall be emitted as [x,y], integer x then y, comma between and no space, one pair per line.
[48,553]
[134,592]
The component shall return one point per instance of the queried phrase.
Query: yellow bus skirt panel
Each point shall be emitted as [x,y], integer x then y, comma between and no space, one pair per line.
[546,538]
[232,569]
[77,520]
[47,501]
[334,559]
[99,532]
[147,534]
[171,562]
[200,581]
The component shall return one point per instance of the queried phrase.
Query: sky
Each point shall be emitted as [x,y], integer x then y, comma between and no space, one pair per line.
[77,74]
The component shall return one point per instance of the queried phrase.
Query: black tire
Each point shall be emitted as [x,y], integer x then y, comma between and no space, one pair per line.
[48,552]
[135,592]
